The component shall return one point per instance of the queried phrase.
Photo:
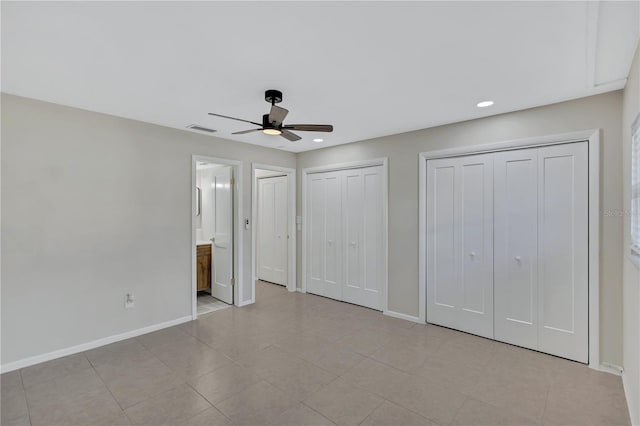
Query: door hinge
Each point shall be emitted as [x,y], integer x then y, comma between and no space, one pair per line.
[233,181]
[233,282]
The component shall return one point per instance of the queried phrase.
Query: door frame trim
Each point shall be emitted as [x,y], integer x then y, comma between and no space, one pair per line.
[384,162]
[592,137]
[237,221]
[291,224]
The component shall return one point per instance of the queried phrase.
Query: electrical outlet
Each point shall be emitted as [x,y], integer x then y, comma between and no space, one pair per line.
[129,301]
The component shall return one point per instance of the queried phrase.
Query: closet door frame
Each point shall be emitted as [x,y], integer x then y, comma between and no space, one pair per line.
[592,137]
[384,162]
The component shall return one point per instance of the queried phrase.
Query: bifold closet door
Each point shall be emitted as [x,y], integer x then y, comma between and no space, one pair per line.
[460,243]
[362,242]
[345,219]
[324,236]
[516,247]
[541,249]
[272,229]
[563,265]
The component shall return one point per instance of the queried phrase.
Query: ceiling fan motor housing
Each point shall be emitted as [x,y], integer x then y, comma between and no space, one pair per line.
[273,96]
[266,123]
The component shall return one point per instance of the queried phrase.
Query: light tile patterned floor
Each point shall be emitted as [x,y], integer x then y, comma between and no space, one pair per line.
[208,304]
[295,359]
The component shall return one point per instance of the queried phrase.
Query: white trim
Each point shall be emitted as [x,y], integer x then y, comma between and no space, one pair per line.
[237,230]
[594,249]
[537,141]
[384,162]
[291,225]
[605,367]
[593,138]
[405,317]
[37,359]
[346,166]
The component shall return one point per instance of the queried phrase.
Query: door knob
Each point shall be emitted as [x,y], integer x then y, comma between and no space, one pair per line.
[472,254]
[518,259]
[212,239]
[353,243]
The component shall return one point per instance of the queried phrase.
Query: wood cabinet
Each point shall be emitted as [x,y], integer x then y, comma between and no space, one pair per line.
[203,266]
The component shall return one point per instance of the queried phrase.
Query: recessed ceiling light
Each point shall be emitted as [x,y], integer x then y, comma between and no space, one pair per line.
[484,104]
[318,140]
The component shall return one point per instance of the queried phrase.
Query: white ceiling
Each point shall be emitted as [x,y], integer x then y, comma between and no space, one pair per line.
[370,69]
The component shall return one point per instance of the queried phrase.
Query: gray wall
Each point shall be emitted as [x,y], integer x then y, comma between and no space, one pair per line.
[82,223]
[631,294]
[602,111]
[95,206]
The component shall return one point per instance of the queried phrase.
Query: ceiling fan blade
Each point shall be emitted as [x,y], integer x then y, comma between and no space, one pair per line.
[290,135]
[233,118]
[277,115]
[246,131]
[310,127]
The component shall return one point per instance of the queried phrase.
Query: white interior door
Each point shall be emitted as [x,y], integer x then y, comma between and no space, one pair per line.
[272,229]
[363,244]
[324,253]
[475,240]
[222,247]
[443,290]
[516,247]
[563,246]
[460,243]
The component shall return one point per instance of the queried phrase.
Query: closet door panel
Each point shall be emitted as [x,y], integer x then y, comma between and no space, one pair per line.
[266,230]
[352,231]
[563,246]
[476,242]
[373,237]
[516,249]
[332,245]
[324,273]
[443,289]
[281,219]
[362,204]
[316,216]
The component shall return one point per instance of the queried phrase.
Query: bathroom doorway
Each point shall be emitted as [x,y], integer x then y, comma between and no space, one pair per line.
[215,245]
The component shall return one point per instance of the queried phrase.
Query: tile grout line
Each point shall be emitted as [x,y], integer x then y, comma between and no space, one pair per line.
[24,392]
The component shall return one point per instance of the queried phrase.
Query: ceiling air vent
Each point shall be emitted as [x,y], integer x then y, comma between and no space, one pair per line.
[200,128]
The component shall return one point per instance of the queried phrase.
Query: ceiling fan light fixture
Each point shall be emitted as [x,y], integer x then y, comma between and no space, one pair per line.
[273,132]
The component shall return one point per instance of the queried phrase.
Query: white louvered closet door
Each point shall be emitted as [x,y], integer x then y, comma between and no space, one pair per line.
[460,243]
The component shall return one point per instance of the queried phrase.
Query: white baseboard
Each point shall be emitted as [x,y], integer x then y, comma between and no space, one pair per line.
[403,316]
[37,359]
[631,405]
[299,290]
[245,303]
[609,368]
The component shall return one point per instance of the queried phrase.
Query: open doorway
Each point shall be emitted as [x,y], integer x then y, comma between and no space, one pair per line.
[214,235]
[274,230]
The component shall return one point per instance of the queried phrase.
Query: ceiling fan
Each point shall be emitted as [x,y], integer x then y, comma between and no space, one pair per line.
[272,123]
